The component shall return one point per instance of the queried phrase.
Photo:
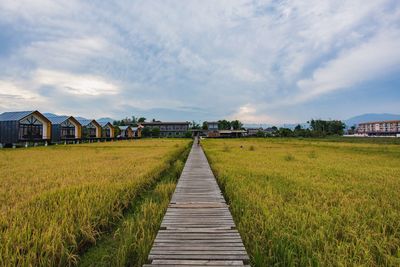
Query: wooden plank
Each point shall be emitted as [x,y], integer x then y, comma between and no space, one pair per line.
[197,229]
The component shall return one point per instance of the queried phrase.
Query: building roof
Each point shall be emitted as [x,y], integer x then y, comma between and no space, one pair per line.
[165,123]
[123,128]
[104,123]
[85,122]
[15,116]
[374,122]
[231,131]
[57,119]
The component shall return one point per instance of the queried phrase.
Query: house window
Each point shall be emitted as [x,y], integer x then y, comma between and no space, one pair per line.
[67,132]
[30,132]
[30,129]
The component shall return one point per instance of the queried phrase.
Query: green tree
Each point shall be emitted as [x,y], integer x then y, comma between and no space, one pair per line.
[236,125]
[260,133]
[324,127]
[205,125]
[224,125]
[285,132]
[146,131]
[188,134]
[155,132]
[141,119]
[194,125]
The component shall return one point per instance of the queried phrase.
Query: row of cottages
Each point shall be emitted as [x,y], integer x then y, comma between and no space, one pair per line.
[33,126]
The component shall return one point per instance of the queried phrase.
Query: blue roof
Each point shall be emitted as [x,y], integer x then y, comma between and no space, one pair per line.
[14,116]
[103,123]
[124,127]
[57,119]
[84,121]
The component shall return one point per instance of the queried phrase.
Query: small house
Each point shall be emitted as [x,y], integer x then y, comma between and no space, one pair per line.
[126,132]
[212,129]
[65,128]
[137,131]
[108,130]
[91,129]
[24,126]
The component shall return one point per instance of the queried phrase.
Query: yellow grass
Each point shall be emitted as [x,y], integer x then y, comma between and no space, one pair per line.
[56,200]
[310,202]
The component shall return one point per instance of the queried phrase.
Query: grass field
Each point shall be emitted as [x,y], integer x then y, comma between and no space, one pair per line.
[57,201]
[312,202]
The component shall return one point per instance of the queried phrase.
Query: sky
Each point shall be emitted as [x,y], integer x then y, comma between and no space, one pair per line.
[256,61]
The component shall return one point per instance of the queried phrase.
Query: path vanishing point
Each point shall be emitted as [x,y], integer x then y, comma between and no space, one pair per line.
[197,229]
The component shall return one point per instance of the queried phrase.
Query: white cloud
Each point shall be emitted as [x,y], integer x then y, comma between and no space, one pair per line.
[88,85]
[219,55]
[377,57]
[15,96]
[249,114]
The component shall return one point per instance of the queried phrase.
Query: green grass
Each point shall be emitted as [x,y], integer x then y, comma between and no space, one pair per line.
[312,202]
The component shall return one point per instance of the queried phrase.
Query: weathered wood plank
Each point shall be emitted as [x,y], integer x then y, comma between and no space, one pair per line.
[198,229]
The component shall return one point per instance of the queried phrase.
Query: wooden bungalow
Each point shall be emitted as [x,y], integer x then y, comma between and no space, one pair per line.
[108,130]
[24,126]
[65,128]
[91,129]
[137,131]
[125,132]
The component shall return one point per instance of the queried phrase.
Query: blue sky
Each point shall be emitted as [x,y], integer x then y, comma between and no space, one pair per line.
[257,61]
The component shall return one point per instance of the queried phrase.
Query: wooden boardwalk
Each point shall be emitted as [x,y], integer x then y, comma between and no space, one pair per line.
[197,229]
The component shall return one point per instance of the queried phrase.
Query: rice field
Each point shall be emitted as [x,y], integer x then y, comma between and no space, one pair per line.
[312,202]
[57,201]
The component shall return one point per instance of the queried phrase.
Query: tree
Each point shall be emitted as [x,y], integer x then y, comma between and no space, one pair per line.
[205,125]
[324,127]
[260,133]
[155,132]
[224,125]
[285,132]
[188,134]
[141,119]
[236,125]
[352,130]
[195,125]
[146,131]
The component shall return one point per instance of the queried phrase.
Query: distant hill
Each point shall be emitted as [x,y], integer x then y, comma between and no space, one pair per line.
[371,117]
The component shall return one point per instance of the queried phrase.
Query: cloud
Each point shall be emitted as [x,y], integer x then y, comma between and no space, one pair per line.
[82,85]
[249,114]
[215,56]
[14,96]
[378,56]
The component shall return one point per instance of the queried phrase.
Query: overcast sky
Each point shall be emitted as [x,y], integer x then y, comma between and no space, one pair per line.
[257,61]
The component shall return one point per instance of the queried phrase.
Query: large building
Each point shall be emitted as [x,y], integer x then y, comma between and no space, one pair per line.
[379,128]
[169,129]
